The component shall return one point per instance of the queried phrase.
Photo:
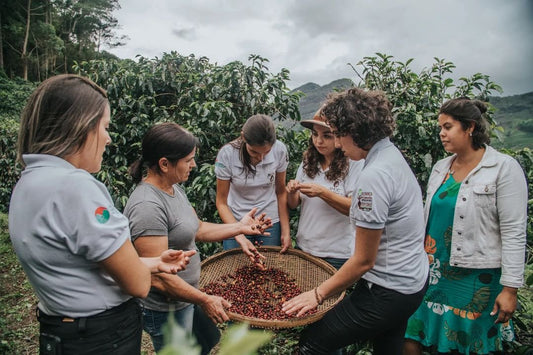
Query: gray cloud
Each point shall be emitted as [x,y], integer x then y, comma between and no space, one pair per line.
[316,39]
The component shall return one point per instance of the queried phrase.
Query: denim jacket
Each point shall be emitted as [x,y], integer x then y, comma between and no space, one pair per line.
[489,225]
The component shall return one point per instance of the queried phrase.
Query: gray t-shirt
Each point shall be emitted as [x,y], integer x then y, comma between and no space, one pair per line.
[153,212]
[387,196]
[62,223]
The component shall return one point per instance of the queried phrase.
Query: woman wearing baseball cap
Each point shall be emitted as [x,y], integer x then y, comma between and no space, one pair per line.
[323,187]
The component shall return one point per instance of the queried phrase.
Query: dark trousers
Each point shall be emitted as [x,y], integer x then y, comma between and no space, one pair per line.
[115,331]
[371,313]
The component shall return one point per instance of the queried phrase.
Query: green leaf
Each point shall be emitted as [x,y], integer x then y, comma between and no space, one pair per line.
[238,339]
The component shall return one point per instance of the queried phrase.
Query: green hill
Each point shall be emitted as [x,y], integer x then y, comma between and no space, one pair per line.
[513,113]
[315,95]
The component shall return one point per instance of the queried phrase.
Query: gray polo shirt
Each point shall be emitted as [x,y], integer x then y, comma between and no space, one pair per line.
[62,223]
[153,212]
[387,196]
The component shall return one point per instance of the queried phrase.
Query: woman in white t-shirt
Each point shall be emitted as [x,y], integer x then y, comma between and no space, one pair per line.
[251,172]
[323,186]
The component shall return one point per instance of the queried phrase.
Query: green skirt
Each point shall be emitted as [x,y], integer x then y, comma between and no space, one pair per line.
[455,313]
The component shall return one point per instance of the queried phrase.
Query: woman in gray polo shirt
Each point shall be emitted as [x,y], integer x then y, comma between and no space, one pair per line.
[73,244]
[389,264]
[161,216]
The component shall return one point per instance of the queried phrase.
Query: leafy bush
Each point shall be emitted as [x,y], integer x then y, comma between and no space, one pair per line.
[209,100]
[416,98]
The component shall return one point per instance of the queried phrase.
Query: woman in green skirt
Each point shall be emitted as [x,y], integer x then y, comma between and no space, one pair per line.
[475,240]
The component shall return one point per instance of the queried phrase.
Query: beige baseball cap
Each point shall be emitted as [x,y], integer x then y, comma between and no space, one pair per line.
[318,119]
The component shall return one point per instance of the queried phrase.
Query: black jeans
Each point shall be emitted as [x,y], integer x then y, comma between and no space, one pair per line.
[115,331]
[371,313]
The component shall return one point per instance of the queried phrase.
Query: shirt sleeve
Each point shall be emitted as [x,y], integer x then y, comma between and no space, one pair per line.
[147,218]
[372,201]
[512,214]
[282,158]
[92,226]
[223,163]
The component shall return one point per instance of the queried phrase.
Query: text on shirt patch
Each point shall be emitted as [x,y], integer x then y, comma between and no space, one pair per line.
[364,200]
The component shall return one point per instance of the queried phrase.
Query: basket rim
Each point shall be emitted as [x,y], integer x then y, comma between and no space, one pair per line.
[278,323]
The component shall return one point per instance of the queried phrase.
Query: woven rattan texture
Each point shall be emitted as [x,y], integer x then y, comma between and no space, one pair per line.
[307,270]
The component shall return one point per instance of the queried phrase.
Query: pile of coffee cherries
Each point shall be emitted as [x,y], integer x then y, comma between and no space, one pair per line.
[257,293]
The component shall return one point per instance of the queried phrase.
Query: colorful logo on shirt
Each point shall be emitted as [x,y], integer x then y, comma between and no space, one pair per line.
[219,164]
[364,200]
[102,215]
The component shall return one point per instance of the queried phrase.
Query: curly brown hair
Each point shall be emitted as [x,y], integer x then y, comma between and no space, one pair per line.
[364,115]
[312,160]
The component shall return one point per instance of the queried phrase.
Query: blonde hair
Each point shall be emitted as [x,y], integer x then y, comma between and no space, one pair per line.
[59,115]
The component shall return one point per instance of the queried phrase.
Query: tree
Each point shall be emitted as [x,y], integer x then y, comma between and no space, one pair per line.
[40,38]
[416,99]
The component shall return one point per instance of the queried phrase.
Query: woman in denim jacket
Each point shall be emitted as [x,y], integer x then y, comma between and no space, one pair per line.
[476,211]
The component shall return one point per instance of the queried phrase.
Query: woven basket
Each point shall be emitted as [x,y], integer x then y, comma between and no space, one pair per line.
[307,270]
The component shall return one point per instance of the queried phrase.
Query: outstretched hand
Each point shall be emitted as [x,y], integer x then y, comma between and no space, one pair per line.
[215,308]
[171,261]
[300,304]
[251,251]
[253,225]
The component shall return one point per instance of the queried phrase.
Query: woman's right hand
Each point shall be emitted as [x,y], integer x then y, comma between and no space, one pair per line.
[251,251]
[214,307]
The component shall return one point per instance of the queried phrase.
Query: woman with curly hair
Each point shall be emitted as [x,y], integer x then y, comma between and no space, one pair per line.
[389,263]
[323,186]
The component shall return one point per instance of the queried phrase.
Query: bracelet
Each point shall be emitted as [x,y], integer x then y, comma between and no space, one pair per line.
[317,296]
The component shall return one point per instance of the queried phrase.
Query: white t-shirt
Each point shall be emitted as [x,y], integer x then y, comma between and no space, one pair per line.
[322,230]
[388,197]
[247,192]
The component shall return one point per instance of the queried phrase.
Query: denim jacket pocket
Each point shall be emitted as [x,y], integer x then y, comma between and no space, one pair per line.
[485,195]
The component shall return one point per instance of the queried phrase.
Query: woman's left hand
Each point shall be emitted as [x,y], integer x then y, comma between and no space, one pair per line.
[505,304]
[253,225]
[311,189]
[302,303]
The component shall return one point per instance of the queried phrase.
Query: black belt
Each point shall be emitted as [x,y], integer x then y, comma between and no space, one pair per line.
[81,323]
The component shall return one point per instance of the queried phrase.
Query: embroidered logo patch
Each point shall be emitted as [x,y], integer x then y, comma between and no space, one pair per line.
[102,215]
[364,200]
[219,165]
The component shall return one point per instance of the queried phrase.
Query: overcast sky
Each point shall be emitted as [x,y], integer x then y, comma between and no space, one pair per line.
[315,39]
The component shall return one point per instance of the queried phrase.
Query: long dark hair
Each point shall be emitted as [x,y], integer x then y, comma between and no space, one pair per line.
[258,130]
[164,140]
[312,160]
[469,112]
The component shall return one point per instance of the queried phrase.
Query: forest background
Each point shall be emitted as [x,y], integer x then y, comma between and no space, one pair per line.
[41,38]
